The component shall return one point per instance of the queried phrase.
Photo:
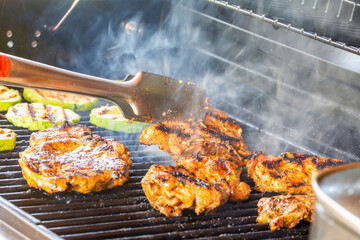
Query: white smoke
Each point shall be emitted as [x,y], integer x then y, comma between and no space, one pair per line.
[289,94]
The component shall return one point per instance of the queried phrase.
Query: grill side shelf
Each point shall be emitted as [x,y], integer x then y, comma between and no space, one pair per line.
[15,222]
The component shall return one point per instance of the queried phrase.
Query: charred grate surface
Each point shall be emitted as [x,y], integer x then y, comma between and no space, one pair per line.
[124,212]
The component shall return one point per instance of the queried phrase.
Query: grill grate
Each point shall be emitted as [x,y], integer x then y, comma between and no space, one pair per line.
[124,212]
[338,42]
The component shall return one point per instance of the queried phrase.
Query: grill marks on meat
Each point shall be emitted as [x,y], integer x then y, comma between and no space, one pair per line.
[171,189]
[289,173]
[202,183]
[70,158]
[66,130]
[218,171]
[218,135]
[212,169]
[218,121]
[286,211]
[220,152]
[212,152]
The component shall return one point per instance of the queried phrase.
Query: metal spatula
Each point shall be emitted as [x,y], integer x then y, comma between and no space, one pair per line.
[145,96]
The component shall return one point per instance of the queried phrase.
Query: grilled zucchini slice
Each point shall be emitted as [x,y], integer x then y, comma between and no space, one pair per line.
[111,117]
[37,116]
[65,100]
[7,139]
[8,98]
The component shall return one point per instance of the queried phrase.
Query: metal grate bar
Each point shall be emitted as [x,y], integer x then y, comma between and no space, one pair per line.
[353,4]
[339,6]
[289,27]
[152,222]
[250,231]
[91,212]
[82,205]
[7,182]
[261,235]
[42,202]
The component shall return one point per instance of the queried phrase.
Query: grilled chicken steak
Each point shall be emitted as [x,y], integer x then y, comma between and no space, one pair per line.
[218,135]
[172,189]
[212,169]
[70,158]
[240,192]
[66,130]
[206,179]
[286,211]
[218,171]
[199,182]
[289,173]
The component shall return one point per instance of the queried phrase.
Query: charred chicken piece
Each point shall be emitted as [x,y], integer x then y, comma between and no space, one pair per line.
[217,152]
[65,130]
[240,192]
[62,163]
[218,171]
[220,122]
[212,169]
[172,189]
[286,211]
[198,182]
[218,135]
[289,173]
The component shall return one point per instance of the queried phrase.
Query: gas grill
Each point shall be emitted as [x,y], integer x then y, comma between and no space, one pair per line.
[292,85]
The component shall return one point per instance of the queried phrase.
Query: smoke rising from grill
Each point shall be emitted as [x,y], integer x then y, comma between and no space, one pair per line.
[278,89]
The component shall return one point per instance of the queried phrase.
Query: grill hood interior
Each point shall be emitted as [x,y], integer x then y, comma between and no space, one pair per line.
[290,84]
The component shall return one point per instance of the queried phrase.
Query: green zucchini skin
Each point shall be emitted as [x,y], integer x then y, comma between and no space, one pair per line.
[37,116]
[7,139]
[6,103]
[32,95]
[110,117]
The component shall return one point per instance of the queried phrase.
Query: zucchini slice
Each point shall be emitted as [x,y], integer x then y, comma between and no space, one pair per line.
[65,100]
[37,116]
[7,139]
[8,98]
[111,117]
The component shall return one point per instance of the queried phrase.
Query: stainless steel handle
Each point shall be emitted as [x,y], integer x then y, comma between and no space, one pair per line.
[27,73]
[146,96]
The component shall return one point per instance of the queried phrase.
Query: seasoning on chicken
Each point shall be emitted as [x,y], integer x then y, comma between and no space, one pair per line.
[217,151]
[172,189]
[65,130]
[73,160]
[219,171]
[289,173]
[202,183]
[218,135]
[240,192]
[286,211]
